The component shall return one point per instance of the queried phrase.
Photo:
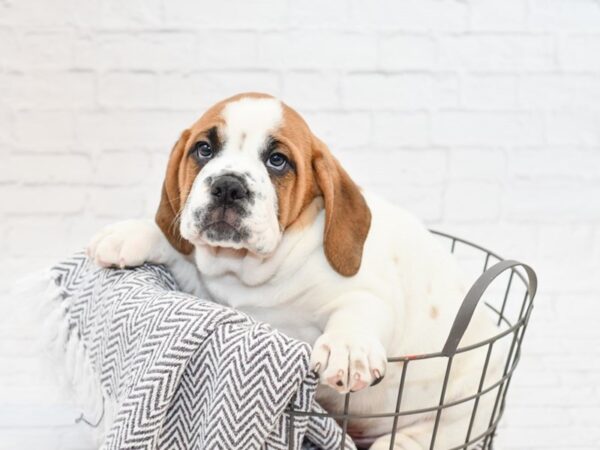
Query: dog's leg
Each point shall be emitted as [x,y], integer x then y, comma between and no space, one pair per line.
[350,355]
[418,436]
[404,440]
[452,428]
[131,243]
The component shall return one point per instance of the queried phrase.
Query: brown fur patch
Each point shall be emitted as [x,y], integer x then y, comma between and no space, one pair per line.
[318,173]
[433,312]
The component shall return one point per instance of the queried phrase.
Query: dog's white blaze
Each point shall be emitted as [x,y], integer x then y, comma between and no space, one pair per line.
[249,121]
[248,124]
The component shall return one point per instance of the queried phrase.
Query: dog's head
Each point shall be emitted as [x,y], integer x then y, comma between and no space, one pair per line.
[245,172]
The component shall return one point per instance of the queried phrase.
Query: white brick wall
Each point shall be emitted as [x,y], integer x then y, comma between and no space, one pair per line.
[482,116]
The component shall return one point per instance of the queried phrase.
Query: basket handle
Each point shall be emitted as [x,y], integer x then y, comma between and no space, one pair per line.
[465,313]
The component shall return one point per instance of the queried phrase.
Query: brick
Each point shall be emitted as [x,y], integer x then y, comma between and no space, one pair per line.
[576,52]
[152,200]
[127,90]
[204,89]
[558,92]
[44,130]
[400,92]
[49,90]
[421,15]
[482,165]
[122,130]
[130,15]
[472,201]
[225,50]
[537,416]
[170,95]
[585,415]
[492,52]
[573,127]
[8,47]
[311,90]
[43,168]
[62,15]
[85,53]
[315,14]
[552,201]
[491,129]
[555,164]
[47,200]
[48,438]
[29,238]
[6,128]
[570,276]
[146,51]
[7,174]
[43,50]
[118,203]
[224,84]
[83,228]
[3,243]
[341,130]
[489,92]
[402,52]
[121,169]
[425,202]
[158,164]
[261,14]
[322,49]
[411,167]
[556,15]
[577,307]
[393,130]
[510,240]
[494,15]
[596,245]
[545,437]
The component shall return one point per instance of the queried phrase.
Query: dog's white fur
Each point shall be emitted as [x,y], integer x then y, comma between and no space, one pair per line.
[402,301]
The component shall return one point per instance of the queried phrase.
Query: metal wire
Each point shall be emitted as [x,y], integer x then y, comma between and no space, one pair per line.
[507,326]
[398,403]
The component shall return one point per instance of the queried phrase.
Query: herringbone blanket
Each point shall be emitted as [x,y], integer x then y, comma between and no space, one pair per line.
[177,372]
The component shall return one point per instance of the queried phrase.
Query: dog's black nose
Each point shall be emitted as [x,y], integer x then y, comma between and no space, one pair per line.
[228,189]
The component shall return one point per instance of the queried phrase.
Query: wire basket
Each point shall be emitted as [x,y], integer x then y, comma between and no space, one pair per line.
[507,289]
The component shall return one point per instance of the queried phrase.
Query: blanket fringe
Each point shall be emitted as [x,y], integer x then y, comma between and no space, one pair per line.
[45,306]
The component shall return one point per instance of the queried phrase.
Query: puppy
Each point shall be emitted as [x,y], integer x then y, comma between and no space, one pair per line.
[258,215]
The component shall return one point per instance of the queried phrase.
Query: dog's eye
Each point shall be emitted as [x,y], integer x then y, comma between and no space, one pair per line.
[203,150]
[277,161]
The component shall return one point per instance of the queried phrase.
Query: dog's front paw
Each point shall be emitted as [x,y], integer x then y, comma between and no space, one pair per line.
[124,244]
[348,363]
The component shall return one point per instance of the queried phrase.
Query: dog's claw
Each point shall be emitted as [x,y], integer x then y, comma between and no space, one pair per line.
[317,368]
[377,376]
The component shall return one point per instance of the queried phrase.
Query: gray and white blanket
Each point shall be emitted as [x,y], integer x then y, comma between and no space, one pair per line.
[173,371]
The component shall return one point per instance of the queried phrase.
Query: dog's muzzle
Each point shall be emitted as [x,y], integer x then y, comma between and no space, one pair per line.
[221,220]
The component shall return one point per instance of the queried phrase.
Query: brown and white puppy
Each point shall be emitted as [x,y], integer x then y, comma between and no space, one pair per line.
[257,214]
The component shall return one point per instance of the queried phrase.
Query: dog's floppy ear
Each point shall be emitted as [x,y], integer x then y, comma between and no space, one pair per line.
[167,216]
[347,216]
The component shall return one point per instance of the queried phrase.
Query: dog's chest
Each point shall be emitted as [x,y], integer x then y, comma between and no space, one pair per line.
[291,321]
[268,303]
